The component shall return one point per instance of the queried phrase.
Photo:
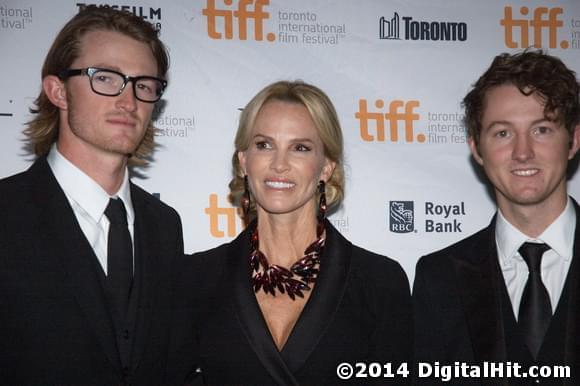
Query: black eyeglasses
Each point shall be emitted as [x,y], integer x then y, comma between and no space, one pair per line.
[112,83]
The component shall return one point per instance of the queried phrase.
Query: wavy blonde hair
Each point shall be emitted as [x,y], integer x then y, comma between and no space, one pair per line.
[325,119]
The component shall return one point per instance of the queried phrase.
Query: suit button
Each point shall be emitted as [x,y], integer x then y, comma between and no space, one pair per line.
[125,371]
[126,334]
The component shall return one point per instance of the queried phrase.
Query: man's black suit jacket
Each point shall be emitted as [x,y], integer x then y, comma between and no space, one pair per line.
[457,298]
[359,310]
[54,325]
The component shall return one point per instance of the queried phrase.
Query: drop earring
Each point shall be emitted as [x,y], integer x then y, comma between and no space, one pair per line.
[246,197]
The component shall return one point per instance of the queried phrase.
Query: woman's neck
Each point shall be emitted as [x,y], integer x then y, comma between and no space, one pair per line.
[283,238]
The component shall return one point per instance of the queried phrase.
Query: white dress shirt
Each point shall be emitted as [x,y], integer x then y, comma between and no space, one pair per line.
[89,201]
[555,262]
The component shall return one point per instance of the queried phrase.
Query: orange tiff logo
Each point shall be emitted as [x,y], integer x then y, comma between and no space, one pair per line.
[398,111]
[224,20]
[538,24]
[217,215]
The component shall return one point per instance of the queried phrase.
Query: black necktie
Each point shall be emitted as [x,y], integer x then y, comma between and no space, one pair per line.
[535,309]
[119,257]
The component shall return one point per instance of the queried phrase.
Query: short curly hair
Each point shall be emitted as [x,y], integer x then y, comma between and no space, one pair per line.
[324,117]
[532,72]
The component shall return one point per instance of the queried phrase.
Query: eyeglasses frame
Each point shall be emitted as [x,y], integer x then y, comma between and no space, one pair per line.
[90,71]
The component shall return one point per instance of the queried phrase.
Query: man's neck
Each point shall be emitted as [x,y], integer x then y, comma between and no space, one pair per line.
[107,170]
[532,220]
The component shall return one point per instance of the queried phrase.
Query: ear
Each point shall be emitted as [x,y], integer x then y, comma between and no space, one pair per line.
[55,90]
[474,151]
[327,169]
[574,142]
[242,160]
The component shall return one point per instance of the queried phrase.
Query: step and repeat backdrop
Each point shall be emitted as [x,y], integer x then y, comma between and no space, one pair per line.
[395,70]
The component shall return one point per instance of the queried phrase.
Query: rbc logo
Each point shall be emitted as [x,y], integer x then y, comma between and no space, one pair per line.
[537,25]
[240,17]
[401,216]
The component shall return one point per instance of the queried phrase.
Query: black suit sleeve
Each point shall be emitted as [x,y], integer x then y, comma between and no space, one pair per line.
[389,299]
[425,317]
[393,336]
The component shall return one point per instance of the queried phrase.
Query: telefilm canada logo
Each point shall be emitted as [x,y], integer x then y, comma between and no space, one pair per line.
[401,216]
[406,28]
[150,14]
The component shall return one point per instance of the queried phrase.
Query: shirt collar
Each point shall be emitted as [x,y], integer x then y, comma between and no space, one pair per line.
[84,191]
[559,235]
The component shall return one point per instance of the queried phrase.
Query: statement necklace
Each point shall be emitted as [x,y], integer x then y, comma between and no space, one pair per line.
[271,277]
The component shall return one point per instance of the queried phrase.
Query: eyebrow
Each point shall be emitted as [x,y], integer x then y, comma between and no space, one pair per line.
[293,140]
[508,123]
[118,69]
[107,67]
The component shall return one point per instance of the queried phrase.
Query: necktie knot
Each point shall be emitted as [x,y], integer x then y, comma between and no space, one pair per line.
[115,212]
[532,254]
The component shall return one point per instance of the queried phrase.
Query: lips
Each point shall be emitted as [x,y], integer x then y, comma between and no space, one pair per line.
[528,172]
[278,184]
[122,121]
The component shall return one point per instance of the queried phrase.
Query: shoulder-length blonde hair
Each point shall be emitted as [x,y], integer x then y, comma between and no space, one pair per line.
[324,117]
[42,130]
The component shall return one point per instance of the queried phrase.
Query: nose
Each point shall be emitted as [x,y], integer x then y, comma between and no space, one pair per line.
[127,100]
[523,148]
[280,161]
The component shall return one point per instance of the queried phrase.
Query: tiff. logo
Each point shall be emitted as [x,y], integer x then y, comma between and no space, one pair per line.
[537,25]
[230,18]
[217,213]
[398,111]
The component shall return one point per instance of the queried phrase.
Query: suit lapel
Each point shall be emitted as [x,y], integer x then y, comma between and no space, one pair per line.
[62,237]
[324,301]
[315,317]
[147,272]
[572,347]
[249,314]
[479,285]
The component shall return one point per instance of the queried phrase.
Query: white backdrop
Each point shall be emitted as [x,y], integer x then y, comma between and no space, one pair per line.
[409,62]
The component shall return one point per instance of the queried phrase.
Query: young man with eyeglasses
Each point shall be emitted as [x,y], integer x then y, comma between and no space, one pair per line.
[86,257]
